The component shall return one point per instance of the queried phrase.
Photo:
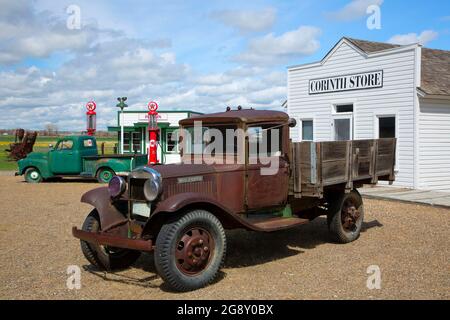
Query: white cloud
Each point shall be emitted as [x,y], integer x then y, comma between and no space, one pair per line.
[247,21]
[103,68]
[410,38]
[26,33]
[353,10]
[271,49]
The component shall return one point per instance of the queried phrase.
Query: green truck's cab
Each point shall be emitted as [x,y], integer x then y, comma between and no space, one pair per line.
[77,156]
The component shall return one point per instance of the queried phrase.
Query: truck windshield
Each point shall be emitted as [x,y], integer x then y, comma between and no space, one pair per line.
[217,139]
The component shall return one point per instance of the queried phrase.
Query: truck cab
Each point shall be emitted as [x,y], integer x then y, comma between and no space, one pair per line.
[66,158]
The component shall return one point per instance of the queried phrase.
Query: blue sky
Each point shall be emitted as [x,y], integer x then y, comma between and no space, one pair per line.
[199,55]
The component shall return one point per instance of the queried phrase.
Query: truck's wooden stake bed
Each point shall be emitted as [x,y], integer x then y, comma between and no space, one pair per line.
[180,211]
[318,165]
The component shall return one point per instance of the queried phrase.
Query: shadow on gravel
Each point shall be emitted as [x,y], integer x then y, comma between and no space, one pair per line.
[121,277]
[244,249]
[253,248]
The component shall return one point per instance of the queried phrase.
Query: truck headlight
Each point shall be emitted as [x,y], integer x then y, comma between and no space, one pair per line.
[116,186]
[153,185]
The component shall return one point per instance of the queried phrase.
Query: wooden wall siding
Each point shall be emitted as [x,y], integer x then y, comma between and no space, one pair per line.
[434,145]
[395,98]
[317,165]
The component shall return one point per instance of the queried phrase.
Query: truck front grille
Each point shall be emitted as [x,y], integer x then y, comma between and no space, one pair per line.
[137,189]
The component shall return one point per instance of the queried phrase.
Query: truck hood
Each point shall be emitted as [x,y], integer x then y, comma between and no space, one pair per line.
[37,155]
[182,170]
[186,170]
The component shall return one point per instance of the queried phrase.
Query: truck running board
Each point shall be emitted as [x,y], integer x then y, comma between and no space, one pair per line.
[261,223]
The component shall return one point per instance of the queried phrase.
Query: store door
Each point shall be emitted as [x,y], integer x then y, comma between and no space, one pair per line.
[342,127]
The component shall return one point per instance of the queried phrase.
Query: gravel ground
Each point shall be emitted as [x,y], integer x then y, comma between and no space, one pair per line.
[410,244]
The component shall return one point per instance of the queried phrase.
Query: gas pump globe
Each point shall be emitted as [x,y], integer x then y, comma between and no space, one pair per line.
[153,133]
[91,118]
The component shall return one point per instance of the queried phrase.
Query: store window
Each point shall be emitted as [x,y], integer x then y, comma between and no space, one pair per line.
[171,142]
[307,130]
[386,127]
[344,108]
[132,141]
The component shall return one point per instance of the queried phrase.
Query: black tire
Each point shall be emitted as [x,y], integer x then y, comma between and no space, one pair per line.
[105,258]
[33,175]
[170,245]
[345,217]
[104,175]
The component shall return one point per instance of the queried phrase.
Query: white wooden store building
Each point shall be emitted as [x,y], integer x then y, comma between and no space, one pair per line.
[366,90]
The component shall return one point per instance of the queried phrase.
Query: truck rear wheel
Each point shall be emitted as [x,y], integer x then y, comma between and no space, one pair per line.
[104,175]
[345,217]
[190,251]
[32,175]
[103,257]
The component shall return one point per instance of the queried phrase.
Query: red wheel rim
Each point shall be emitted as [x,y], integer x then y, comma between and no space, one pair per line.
[349,215]
[194,251]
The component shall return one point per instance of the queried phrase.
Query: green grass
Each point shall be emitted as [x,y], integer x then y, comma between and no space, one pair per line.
[41,145]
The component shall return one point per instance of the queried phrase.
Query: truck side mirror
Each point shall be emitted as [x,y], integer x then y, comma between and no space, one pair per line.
[292,123]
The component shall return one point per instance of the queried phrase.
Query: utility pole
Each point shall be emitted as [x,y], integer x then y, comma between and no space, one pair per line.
[122,105]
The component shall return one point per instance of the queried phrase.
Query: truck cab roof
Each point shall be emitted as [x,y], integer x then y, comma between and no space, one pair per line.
[239,116]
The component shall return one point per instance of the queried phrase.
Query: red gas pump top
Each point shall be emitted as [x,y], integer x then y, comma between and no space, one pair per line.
[153,132]
[91,118]
[91,106]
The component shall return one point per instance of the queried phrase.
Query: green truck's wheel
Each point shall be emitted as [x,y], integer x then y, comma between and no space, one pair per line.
[32,175]
[105,175]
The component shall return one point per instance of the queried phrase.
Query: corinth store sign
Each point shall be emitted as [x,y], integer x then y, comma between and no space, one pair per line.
[367,80]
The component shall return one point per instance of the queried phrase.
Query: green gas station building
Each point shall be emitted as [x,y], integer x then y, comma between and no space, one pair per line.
[136,140]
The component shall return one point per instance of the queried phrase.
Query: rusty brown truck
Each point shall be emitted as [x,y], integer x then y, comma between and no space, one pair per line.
[256,179]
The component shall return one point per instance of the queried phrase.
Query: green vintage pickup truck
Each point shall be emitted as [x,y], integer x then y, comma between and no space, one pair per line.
[77,156]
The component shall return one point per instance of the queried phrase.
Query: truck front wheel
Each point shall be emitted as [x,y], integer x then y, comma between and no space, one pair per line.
[345,217]
[190,251]
[32,175]
[103,257]
[104,175]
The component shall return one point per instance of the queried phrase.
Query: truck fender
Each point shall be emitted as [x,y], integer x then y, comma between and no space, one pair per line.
[99,198]
[40,164]
[166,210]
[111,164]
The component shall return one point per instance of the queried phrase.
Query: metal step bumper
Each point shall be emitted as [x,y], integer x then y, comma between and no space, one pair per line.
[105,239]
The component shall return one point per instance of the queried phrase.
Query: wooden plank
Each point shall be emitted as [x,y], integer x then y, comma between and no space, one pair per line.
[373,163]
[355,163]
[298,175]
[319,169]
[348,166]
[293,163]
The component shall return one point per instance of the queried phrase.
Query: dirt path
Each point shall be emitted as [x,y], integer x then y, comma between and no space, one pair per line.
[409,243]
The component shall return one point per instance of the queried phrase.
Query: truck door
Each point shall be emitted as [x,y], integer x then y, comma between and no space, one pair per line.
[267,168]
[64,158]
